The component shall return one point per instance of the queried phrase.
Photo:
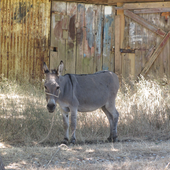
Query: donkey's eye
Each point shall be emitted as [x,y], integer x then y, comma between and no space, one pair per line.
[58,87]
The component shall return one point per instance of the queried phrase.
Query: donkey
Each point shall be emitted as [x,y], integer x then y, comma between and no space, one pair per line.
[83,93]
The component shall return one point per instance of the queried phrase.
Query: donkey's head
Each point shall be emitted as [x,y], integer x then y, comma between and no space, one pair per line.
[52,85]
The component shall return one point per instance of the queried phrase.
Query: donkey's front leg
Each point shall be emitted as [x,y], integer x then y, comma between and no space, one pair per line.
[66,126]
[73,125]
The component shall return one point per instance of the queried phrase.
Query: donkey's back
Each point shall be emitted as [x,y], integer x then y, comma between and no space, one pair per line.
[94,90]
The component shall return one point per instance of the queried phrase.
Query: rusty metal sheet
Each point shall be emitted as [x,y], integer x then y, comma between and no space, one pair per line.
[24,37]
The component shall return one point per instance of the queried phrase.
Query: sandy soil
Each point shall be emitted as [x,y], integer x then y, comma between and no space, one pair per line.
[112,156]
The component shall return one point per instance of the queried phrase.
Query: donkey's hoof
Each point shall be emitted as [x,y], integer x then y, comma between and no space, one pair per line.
[114,139]
[73,141]
[109,139]
[65,141]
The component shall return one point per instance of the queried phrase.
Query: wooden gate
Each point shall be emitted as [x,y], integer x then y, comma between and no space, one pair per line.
[82,35]
[146,36]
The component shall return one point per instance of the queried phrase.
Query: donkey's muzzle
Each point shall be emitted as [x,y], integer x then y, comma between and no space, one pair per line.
[51,107]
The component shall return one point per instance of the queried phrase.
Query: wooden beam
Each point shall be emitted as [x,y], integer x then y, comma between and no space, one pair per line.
[101,2]
[151,10]
[155,54]
[146,5]
[110,2]
[145,23]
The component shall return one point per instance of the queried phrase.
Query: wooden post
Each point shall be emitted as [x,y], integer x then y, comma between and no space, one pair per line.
[119,36]
[120,12]
[118,63]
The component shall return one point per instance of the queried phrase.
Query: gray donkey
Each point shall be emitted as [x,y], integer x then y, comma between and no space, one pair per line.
[83,93]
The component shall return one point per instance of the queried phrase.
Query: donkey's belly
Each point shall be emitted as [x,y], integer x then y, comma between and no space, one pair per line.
[88,108]
[93,101]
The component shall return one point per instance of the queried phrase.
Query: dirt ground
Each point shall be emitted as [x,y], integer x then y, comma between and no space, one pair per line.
[129,154]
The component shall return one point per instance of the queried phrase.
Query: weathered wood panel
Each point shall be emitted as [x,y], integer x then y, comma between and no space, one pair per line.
[24,36]
[99,26]
[53,60]
[87,36]
[59,30]
[79,39]
[108,40]
[128,66]
[71,39]
[88,39]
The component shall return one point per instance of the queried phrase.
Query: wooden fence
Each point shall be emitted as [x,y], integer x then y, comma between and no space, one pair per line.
[24,37]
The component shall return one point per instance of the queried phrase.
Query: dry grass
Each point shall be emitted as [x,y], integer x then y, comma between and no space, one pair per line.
[144,109]
[118,156]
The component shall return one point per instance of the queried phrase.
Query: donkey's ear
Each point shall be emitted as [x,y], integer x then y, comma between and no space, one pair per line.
[45,68]
[60,68]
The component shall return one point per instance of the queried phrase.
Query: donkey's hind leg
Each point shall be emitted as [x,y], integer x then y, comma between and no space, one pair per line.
[112,115]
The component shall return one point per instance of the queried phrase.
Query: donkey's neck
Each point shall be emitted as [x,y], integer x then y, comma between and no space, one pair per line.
[65,84]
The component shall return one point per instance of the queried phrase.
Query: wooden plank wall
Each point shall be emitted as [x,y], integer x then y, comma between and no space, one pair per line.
[24,37]
[85,42]
[143,40]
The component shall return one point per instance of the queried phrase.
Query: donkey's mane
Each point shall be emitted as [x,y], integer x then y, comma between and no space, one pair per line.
[103,71]
[53,71]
